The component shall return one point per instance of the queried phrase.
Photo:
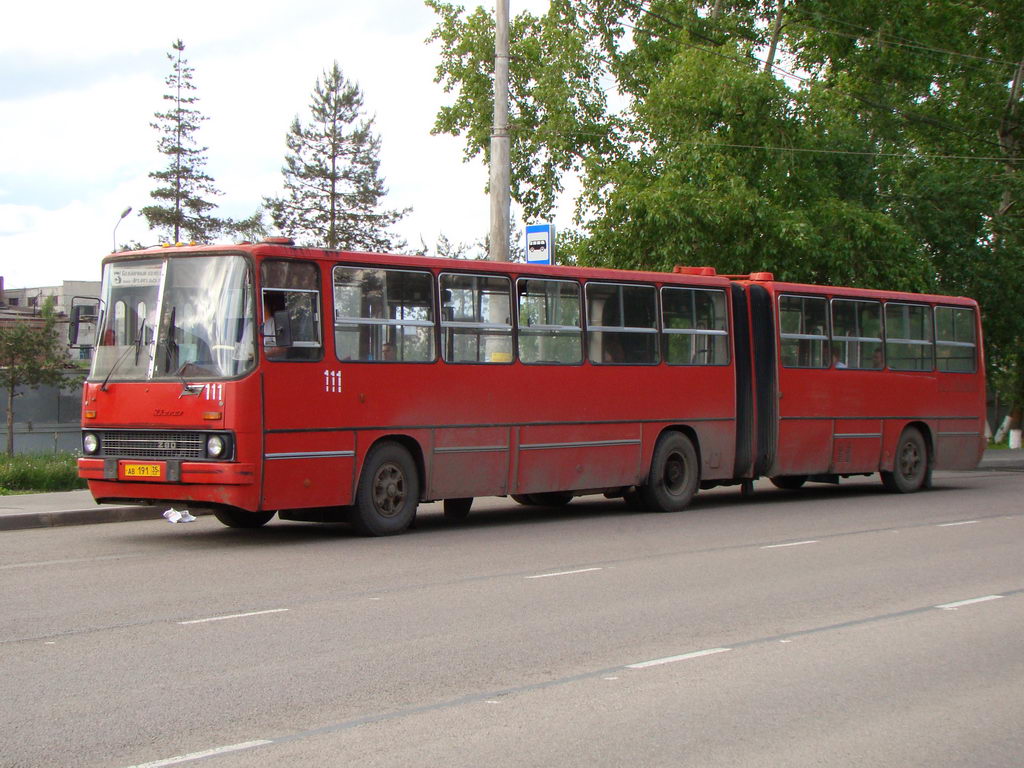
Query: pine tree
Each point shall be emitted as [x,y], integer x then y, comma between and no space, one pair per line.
[183,209]
[333,190]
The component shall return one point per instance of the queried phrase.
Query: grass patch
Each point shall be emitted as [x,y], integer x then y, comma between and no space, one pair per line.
[39,472]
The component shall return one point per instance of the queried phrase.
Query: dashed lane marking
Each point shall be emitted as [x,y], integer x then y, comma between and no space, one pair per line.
[233,616]
[790,544]
[972,601]
[672,659]
[201,755]
[562,573]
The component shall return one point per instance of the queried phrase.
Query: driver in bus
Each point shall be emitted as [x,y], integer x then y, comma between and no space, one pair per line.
[271,348]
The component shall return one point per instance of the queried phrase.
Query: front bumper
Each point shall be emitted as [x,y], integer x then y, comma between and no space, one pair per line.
[167,471]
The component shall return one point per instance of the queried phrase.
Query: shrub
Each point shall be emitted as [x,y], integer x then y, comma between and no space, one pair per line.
[39,472]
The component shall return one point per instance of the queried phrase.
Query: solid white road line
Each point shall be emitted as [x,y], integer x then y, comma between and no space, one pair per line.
[233,616]
[67,561]
[562,573]
[950,525]
[954,606]
[791,544]
[200,755]
[671,659]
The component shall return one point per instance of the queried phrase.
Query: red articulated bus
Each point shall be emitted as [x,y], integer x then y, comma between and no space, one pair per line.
[263,378]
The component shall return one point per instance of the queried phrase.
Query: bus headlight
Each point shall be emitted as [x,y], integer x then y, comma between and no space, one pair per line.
[90,443]
[215,446]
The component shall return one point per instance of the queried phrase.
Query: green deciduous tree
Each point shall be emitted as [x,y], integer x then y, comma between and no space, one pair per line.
[31,355]
[183,208]
[879,145]
[333,190]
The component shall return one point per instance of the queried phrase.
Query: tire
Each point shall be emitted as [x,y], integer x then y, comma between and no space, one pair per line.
[674,476]
[457,509]
[910,467]
[239,518]
[524,498]
[789,482]
[551,498]
[388,492]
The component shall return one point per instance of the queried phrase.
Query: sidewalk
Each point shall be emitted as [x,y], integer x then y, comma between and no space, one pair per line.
[45,510]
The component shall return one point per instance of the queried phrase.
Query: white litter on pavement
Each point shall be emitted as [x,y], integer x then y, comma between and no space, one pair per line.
[174,516]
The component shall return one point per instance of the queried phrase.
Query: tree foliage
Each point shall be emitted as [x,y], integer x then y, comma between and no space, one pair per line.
[183,207]
[31,355]
[879,146]
[332,183]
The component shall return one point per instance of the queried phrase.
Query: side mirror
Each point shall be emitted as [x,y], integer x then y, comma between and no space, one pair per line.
[282,328]
[82,322]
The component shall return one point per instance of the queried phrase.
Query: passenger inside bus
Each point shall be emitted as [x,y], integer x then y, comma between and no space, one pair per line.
[612,351]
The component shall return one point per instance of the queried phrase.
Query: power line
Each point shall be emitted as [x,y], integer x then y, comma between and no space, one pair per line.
[867,32]
[871,103]
[806,150]
[868,153]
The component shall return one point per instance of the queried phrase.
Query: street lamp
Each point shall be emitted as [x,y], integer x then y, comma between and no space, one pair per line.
[124,213]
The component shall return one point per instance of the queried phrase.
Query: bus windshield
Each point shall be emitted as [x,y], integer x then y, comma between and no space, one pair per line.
[175,318]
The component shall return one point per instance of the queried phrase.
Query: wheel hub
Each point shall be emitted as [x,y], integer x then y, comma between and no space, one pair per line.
[389,490]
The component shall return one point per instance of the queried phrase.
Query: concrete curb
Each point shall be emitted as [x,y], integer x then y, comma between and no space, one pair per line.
[16,521]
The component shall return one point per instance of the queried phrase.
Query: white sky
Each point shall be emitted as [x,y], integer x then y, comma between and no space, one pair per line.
[79,83]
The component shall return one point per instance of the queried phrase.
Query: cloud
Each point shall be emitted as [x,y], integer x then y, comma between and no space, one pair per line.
[78,143]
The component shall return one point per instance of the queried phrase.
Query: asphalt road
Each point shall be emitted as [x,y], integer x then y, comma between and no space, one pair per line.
[831,626]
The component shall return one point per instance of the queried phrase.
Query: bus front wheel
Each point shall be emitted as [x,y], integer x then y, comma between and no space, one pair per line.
[910,468]
[674,474]
[388,492]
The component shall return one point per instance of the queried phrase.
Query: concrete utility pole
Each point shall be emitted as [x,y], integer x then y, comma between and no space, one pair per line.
[501,166]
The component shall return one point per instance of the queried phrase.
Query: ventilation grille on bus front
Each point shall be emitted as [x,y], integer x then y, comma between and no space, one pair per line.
[153,445]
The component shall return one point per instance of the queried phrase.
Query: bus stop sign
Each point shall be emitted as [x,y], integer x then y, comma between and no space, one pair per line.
[540,244]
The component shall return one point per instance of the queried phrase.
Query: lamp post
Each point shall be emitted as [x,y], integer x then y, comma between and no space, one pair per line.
[124,214]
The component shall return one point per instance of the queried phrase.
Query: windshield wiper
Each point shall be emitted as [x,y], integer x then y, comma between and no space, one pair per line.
[137,346]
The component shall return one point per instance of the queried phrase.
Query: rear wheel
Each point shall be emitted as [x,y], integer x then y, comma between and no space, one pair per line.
[910,469]
[789,482]
[674,474]
[523,498]
[388,492]
[239,518]
[457,509]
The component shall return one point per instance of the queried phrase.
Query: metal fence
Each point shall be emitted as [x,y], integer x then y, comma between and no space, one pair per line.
[46,420]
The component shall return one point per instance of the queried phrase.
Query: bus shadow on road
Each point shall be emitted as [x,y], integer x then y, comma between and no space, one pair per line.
[507,513]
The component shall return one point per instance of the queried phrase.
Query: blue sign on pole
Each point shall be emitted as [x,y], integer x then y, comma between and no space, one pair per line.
[540,244]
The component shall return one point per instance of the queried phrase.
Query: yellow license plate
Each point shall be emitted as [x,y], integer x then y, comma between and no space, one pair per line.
[143,470]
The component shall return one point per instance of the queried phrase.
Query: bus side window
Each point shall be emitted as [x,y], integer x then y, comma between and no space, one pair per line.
[908,337]
[803,332]
[956,345]
[477,319]
[291,311]
[622,325]
[694,326]
[383,315]
[549,322]
[856,334]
